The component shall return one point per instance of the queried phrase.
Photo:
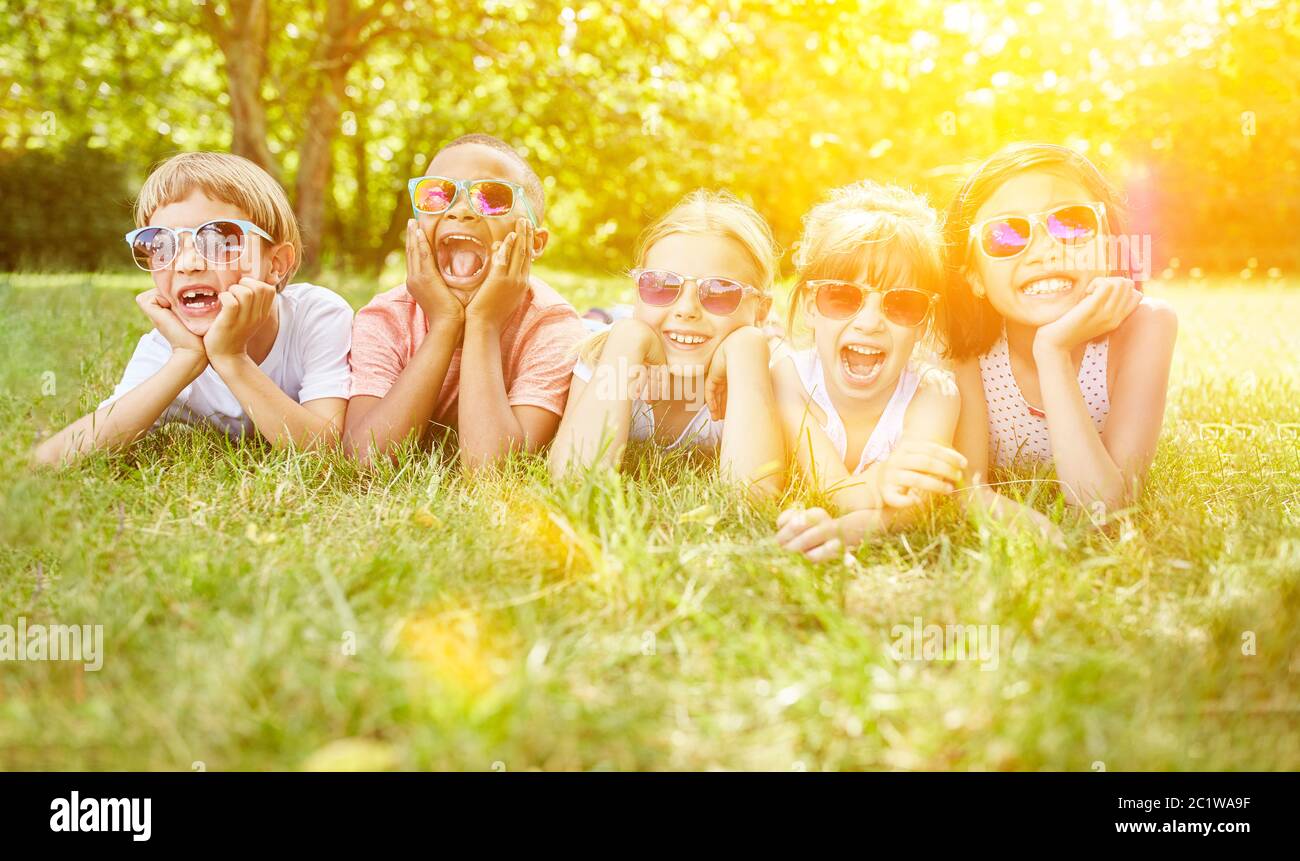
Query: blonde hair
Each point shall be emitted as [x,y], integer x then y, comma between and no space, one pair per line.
[706,213]
[230,179]
[890,232]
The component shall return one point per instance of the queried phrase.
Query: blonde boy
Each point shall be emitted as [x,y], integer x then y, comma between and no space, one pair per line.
[235,345]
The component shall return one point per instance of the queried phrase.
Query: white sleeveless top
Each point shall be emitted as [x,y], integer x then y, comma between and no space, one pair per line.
[703,431]
[1016,433]
[888,430]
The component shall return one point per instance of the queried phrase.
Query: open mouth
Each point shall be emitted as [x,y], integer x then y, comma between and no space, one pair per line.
[461,257]
[1050,286]
[861,364]
[685,340]
[198,300]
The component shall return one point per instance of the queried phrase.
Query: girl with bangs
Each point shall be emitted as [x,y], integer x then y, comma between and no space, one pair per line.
[869,422]
[1061,359]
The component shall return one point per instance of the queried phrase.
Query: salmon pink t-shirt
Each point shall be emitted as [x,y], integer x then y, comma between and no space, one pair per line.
[537,349]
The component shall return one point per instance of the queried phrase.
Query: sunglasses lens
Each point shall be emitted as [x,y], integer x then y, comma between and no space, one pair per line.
[721,296]
[492,198]
[1073,224]
[839,300]
[1006,237]
[153,248]
[220,241]
[658,288]
[906,307]
[433,196]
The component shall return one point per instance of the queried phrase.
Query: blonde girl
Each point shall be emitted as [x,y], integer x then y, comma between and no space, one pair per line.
[691,354]
[867,420]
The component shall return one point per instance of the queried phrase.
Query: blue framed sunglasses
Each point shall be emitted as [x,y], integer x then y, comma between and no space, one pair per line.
[494,198]
[222,241]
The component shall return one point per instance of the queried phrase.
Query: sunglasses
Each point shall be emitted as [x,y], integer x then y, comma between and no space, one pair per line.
[1005,236]
[903,306]
[721,296]
[222,241]
[434,195]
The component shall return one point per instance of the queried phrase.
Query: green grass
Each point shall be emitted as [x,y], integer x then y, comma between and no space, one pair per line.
[638,622]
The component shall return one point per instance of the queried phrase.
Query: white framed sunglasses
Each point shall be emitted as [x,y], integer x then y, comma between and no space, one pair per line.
[1005,236]
[222,241]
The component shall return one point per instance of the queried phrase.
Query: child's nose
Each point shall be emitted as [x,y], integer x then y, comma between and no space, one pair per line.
[1041,245]
[871,317]
[688,301]
[188,258]
[460,209]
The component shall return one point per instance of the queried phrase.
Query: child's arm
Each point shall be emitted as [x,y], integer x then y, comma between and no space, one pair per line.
[598,417]
[245,308]
[488,426]
[814,455]
[378,425]
[972,440]
[134,413]
[923,463]
[739,390]
[1106,468]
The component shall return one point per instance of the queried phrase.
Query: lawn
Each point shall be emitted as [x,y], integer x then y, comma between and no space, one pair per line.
[268,610]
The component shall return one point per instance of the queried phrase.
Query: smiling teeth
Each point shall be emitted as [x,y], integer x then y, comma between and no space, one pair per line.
[462,236]
[686,339]
[865,351]
[1045,286]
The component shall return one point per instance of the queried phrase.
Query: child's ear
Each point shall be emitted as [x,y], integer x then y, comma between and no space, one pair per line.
[764,308]
[540,237]
[976,283]
[282,260]
[809,303]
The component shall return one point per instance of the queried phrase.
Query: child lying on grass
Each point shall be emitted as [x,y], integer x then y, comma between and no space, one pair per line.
[234,344]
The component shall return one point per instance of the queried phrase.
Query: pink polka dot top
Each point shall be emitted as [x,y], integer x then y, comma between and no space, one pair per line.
[1017,431]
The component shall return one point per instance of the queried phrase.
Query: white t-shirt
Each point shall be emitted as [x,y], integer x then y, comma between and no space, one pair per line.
[703,431]
[308,361]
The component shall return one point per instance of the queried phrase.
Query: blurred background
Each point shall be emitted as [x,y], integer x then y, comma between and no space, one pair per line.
[1190,105]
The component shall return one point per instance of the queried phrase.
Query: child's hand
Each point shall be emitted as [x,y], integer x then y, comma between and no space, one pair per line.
[916,468]
[747,343]
[184,342]
[634,349]
[423,281]
[507,278]
[817,535]
[244,308]
[1107,303]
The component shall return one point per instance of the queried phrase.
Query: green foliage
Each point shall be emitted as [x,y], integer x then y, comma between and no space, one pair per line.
[625,106]
[69,210]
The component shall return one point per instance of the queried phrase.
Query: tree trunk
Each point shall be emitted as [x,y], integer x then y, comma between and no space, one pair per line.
[243,44]
[315,158]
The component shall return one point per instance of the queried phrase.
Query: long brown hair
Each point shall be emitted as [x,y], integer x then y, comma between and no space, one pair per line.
[969,323]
